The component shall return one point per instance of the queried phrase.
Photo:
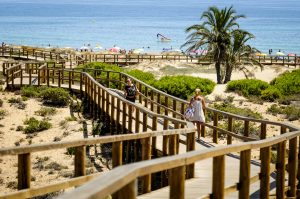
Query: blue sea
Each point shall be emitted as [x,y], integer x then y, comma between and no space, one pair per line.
[132,24]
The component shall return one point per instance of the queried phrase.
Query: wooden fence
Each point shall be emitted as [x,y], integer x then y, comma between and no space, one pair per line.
[127,59]
[121,181]
[158,106]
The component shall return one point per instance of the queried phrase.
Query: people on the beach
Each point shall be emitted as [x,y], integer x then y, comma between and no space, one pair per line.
[198,103]
[131,91]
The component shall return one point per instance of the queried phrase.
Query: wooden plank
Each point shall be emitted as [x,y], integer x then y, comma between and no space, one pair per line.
[229,128]
[215,132]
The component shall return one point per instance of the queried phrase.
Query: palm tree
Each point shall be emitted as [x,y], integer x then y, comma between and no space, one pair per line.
[214,33]
[237,49]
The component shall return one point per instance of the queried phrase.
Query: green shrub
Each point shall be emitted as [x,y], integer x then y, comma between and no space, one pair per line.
[55,96]
[184,86]
[271,94]
[103,66]
[227,107]
[288,83]
[32,91]
[2,114]
[146,77]
[35,125]
[291,112]
[46,111]
[71,151]
[274,109]
[247,86]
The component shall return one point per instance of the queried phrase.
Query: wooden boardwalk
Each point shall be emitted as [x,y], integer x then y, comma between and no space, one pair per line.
[158,118]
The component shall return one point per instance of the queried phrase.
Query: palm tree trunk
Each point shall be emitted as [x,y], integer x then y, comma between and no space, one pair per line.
[218,71]
[228,73]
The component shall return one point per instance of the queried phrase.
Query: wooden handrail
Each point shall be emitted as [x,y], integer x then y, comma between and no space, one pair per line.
[114,180]
[89,141]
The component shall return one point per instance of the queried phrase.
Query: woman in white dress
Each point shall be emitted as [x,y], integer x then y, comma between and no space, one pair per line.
[198,103]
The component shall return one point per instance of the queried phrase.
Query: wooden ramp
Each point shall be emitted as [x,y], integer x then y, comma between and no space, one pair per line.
[201,185]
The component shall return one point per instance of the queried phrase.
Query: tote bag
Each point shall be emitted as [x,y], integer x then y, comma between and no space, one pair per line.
[189,113]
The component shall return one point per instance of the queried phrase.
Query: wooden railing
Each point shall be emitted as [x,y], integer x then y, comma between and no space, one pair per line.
[125,59]
[103,101]
[152,99]
[24,154]
[121,181]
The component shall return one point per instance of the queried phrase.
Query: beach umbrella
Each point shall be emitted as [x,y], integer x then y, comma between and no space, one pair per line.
[84,48]
[115,49]
[261,54]
[138,51]
[291,55]
[98,47]
[280,54]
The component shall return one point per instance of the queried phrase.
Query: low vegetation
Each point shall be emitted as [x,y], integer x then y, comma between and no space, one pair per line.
[46,111]
[184,86]
[291,112]
[51,96]
[228,107]
[284,88]
[146,77]
[34,125]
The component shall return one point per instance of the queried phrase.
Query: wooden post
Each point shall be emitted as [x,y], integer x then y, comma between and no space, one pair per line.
[137,120]
[244,182]
[298,172]
[130,118]
[158,102]
[129,191]
[59,78]
[145,121]
[79,161]
[152,99]
[30,77]
[176,181]
[263,131]
[190,146]
[24,171]
[146,155]
[246,128]
[292,167]
[70,82]
[48,76]
[118,119]
[280,168]
[218,177]
[154,128]
[283,129]
[174,108]
[265,156]
[229,128]
[124,117]
[117,154]
[215,132]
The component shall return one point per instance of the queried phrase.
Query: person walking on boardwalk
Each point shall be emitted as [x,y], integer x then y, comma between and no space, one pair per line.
[131,91]
[198,103]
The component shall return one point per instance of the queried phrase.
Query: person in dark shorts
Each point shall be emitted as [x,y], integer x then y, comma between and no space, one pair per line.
[130,91]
